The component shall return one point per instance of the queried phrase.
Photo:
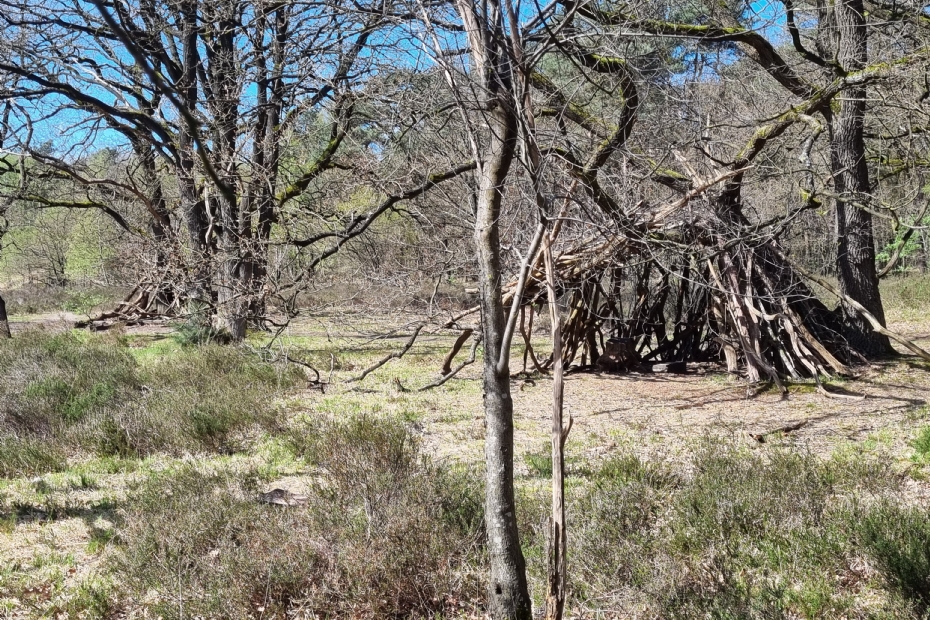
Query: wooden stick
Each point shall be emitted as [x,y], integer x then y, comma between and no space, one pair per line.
[868,316]
[459,342]
[788,428]
[558,541]
[391,356]
[455,371]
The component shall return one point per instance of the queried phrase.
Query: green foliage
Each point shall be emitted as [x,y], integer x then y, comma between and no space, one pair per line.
[898,539]
[197,332]
[381,535]
[57,246]
[63,394]
[539,462]
[906,248]
[85,301]
[747,535]
[921,445]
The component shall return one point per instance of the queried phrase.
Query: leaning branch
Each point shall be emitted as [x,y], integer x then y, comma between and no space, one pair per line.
[85,204]
[868,316]
[765,53]
[360,223]
[391,356]
[471,360]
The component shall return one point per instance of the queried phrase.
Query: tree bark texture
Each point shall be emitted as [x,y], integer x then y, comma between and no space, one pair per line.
[556,573]
[4,321]
[855,245]
[508,593]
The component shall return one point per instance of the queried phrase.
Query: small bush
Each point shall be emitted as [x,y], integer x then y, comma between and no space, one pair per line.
[51,382]
[70,393]
[197,332]
[898,539]
[384,533]
[613,534]
[28,457]
[86,301]
[746,535]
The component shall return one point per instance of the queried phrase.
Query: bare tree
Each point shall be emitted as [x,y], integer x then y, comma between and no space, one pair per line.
[491,61]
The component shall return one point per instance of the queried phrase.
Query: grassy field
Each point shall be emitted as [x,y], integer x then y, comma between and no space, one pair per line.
[131,466]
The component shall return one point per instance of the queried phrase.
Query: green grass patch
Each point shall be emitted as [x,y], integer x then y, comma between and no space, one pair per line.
[921,445]
[67,394]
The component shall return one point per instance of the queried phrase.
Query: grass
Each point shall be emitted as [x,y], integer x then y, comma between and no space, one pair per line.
[171,525]
[67,394]
[776,535]
[906,298]
[384,533]
[921,445]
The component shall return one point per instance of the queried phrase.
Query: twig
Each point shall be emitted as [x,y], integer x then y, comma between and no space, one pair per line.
[455,319]
[455,371]
[391,356]
[788,428]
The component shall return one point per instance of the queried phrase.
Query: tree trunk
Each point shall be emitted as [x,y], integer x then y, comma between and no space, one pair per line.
[855,248]
[4,321]
[193,206]
[233,230]
[508,594]
[924,251]
[508,591]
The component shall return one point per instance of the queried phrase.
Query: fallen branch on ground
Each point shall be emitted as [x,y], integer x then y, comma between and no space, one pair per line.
[784,430]
[455,371]
[391,356]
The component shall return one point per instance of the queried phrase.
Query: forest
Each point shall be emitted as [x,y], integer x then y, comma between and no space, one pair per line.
[464,309]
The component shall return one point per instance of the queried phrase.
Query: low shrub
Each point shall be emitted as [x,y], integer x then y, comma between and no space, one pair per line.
[897,538]
[539,463]
[775,534]
[28,457]
[68,392]
[197,332]
[383,533]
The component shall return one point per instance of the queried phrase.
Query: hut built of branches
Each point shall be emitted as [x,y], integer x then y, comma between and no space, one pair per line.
[675,286]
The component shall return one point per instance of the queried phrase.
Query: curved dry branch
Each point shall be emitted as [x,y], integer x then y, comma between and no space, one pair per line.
[391,356]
